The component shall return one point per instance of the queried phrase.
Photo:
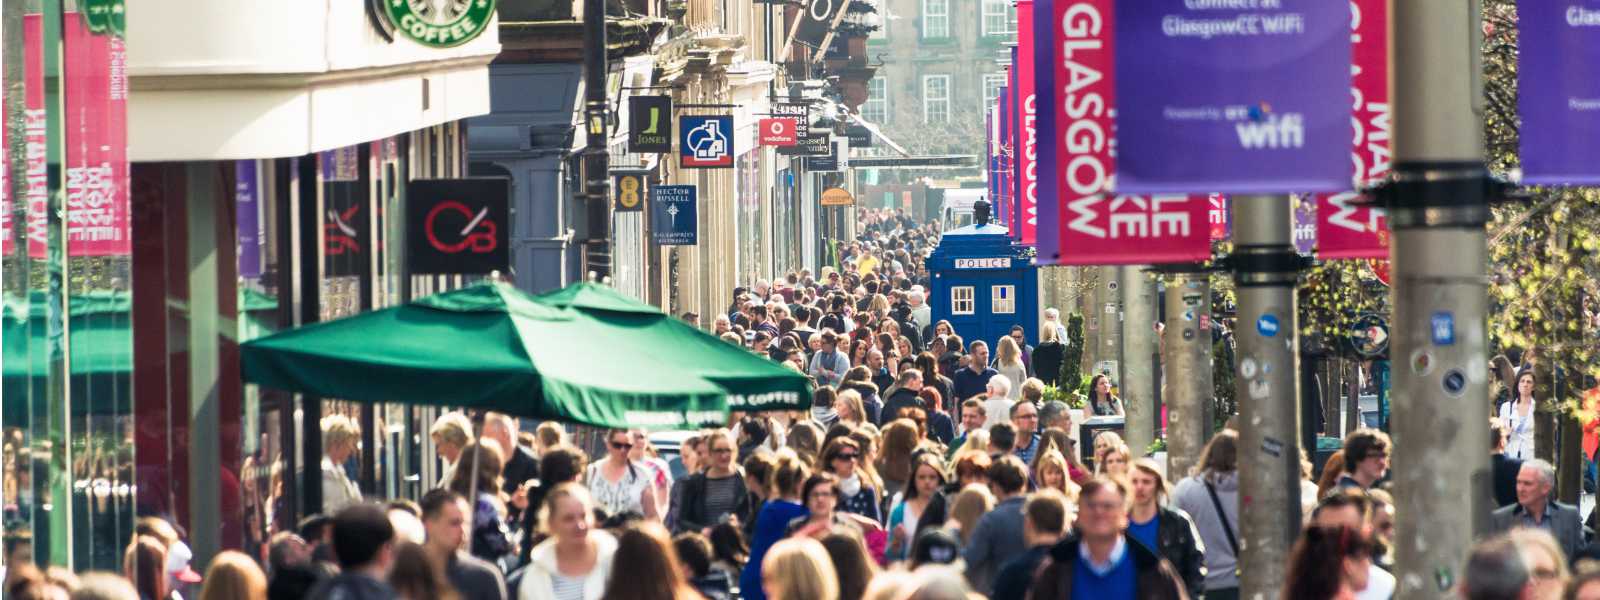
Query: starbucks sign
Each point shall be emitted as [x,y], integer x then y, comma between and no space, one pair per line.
[436,23]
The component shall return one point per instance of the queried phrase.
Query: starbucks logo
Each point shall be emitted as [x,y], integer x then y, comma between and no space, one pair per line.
[437,23]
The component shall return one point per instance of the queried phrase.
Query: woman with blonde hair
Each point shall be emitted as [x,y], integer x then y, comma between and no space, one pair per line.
[340,439]
[234,576]
[1050,471]
[799,569]
[547,436]
[1544,559]
[850,408]
[1115,461]
[970,504]
[576,560]
[1008,361]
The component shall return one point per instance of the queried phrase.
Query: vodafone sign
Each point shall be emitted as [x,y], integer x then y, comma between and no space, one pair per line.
[778,132]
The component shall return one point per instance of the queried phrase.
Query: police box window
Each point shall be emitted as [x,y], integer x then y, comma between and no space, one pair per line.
[961,300]
[1003,299]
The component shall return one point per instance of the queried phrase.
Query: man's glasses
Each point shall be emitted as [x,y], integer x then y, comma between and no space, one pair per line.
[847,456]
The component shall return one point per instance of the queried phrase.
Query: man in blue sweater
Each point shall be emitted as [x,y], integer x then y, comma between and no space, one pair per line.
[1100,560]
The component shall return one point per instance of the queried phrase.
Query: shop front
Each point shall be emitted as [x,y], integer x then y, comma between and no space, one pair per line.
[262,185]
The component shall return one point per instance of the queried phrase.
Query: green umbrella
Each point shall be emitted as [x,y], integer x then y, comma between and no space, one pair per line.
[655,340]
[490,346]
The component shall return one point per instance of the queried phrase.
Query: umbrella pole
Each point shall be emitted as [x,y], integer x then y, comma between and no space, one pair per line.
[472,501]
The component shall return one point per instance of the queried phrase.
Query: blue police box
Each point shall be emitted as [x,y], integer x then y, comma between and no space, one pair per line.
[984,283]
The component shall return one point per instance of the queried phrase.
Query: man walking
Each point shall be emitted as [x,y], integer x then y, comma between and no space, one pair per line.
[997,538]
[1366,459]
[363,539]
[1044,517]
[972,380]
[1100,559]
[972,419]
[908,385]
[829,365]
[1536,509]
[1025,417]
[444,517]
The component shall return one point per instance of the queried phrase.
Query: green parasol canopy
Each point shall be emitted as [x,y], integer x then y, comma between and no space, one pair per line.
[753,383]
[584,354]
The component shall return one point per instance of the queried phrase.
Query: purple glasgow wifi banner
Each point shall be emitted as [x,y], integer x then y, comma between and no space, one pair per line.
[1232,96]
[1559,95]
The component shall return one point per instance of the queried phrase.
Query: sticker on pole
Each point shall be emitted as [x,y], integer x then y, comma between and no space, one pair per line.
[1454,383]
[1443,328]
[1267,325]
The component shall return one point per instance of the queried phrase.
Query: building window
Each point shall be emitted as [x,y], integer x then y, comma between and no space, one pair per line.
[1003,299]
[935,98]
[876,109]
[935,18]
[992,82]
[999,17]
[961,300]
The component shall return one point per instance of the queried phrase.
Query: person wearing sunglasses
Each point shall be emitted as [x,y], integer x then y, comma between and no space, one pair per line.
[842,458]
[618,484]
[712,495]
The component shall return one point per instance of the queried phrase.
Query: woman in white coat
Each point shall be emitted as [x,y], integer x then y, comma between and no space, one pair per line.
[575,562]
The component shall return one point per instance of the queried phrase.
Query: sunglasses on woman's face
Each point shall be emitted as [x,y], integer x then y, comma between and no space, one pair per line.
[621,446]
[847,456]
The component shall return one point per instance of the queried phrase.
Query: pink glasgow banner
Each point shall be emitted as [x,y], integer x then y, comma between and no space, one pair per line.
[1344,228]
[37,196]
[1027,106]
[1129,230]
[96,145]
[1076,108]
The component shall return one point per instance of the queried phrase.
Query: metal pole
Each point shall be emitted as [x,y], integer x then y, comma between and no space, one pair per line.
[1265,267]
[1438,204]
[1187,359]
[1138,358]
[595,162]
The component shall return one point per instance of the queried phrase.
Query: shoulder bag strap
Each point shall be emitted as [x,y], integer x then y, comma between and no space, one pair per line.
[1222,516]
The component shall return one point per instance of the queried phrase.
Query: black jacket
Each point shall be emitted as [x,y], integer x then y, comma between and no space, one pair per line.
[1155,579]
[1505,471]
[692,515]
[522,468]
[1179,543]
[901,398]
[1047,362]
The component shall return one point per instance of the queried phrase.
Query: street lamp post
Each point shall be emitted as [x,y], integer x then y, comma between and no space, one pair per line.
[1438,205]
[1265,270]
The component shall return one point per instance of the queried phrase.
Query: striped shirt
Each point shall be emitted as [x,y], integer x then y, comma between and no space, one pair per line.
[567,588]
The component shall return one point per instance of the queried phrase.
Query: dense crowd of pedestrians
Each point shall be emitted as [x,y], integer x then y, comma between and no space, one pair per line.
[926,468]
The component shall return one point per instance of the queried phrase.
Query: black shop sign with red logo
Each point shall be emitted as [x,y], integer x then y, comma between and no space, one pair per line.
[458,226]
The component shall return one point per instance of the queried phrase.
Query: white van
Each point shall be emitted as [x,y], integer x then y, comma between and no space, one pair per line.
[957,210]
